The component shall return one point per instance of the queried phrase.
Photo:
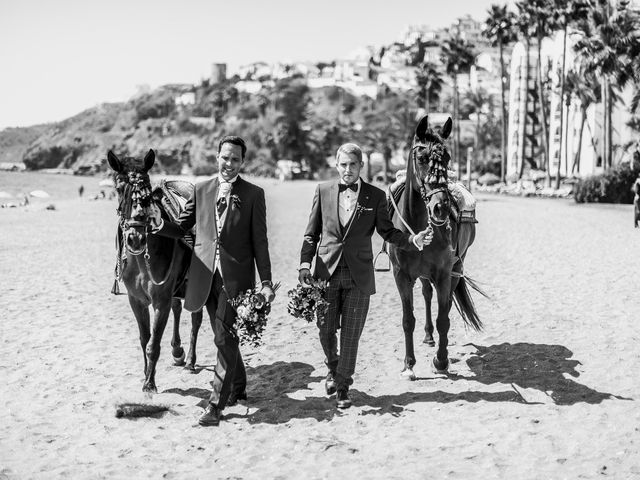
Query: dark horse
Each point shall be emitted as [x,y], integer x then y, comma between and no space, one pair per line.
[427,202]
[151,266]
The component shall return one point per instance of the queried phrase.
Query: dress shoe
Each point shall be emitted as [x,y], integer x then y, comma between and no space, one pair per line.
[234,397]
[210,417]
[342,399]
[330,384]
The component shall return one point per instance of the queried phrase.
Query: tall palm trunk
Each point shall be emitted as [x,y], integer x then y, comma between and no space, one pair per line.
[427,100]
[609,126]
[605,128]
[525,117]
[564,58]
[543,115]
[576,159]
[503,132]
[456,124]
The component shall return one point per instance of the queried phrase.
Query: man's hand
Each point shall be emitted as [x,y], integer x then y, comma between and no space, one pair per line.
[304,277]
[155,217]
[424,237]
[268,293]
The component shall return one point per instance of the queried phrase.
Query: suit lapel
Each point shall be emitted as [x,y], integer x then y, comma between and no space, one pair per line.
[212,195]
[334,206]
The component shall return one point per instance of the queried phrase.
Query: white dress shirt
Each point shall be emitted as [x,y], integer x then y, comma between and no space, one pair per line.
[347,201]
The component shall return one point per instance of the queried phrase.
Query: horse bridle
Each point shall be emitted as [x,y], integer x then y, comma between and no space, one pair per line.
[427,194]
[141,193]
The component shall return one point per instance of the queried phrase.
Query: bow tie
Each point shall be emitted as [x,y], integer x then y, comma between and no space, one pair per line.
[342,187]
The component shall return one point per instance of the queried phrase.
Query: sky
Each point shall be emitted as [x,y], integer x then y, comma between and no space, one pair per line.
[60,57]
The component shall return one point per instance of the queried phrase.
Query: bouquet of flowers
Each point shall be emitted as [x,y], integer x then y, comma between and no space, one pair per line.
[252,310]
[308,302]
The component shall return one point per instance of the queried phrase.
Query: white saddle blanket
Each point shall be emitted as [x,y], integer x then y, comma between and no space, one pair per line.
[465,201]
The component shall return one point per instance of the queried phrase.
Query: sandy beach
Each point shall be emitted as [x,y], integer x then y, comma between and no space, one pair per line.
[548,390]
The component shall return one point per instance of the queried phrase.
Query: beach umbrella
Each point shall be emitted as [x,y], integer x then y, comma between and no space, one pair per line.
[39,194]
[5,195]
[107,182]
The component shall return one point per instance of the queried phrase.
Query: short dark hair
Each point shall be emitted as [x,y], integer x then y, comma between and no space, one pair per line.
[235,140]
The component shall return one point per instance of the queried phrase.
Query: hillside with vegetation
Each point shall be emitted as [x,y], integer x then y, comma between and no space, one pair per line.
[284,120]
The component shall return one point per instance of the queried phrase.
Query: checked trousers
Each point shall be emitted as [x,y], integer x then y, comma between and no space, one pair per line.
[348,308]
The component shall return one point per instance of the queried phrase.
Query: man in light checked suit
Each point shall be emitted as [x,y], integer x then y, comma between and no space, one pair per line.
[343,217]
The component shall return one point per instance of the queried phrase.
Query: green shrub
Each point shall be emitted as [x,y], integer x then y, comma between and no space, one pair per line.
[612,186]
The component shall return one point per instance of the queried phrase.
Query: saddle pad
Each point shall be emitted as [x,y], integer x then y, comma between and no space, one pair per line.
[465,201]
[173,195]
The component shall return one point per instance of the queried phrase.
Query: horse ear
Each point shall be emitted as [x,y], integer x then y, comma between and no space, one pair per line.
[114,162]
[445,131]
[149,160]
[421,128]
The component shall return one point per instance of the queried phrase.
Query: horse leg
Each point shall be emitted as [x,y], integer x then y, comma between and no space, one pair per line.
[405,288]
[427,293]
[443,289]
[196,322]
[161,315]
[176,344]
[141,312]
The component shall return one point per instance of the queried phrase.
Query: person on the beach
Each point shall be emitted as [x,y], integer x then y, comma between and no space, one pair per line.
[343,217]
[229,215]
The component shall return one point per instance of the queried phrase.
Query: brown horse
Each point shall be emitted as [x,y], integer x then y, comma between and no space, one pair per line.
[152,266]
[427,202]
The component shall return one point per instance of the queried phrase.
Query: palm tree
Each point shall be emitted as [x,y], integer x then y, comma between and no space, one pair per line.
[523,29]
[585,89]
[387,127]
[540,12]
[478,102]
[429,81]
[606,49]
[566,12]
[458,57]
[500,29]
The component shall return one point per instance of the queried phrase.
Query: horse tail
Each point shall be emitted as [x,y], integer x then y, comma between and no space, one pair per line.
[464,303]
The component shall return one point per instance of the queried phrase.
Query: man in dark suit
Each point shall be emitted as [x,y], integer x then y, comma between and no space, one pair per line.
[343,217]
[230,219]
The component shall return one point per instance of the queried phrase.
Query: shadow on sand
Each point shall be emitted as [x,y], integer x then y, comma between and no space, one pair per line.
[529,366]
[537,366]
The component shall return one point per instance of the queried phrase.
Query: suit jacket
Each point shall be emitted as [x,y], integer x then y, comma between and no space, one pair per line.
[243,240]
[328,241]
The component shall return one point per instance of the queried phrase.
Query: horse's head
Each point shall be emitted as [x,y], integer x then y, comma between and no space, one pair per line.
[133,185]
[428,161]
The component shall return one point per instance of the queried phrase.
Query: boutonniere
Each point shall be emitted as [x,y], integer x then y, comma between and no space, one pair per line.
[360,209]
[235,201]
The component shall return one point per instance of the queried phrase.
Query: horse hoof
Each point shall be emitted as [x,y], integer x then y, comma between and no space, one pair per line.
[429,341]
[408,374]
[149,389]
[439,366]
[190,367]
[179,361]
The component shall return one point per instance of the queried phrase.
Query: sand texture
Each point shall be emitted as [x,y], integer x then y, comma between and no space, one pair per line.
[548,390]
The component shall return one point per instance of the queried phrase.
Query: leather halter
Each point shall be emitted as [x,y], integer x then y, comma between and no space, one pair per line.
[141,195]
[426,193]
